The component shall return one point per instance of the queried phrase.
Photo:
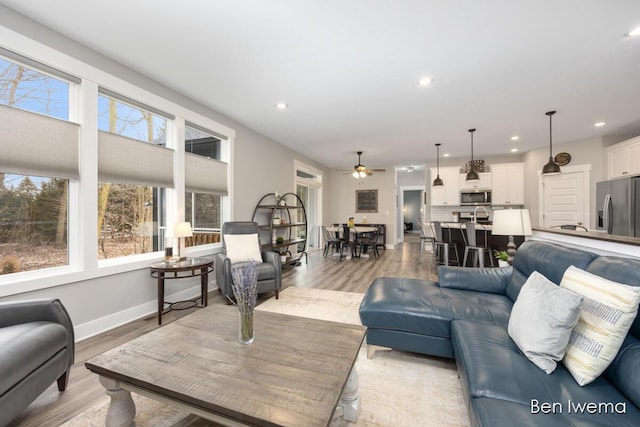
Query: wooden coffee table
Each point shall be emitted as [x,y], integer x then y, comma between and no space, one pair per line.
[296,372]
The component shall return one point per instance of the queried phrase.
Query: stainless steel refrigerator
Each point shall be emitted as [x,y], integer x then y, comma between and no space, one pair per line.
[618,206]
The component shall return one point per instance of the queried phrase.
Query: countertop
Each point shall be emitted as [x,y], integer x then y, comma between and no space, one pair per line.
[460,225]
[595,235]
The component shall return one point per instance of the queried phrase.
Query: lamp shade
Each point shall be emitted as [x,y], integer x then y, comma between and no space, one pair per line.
[511,222]
[182,229]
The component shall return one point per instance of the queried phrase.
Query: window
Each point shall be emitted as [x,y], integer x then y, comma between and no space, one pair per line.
[39,159]
[33,223]
[134,168]
[206,184]
[29,89]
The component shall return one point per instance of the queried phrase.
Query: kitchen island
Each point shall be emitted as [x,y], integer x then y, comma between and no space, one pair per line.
[593,241]
[456,232]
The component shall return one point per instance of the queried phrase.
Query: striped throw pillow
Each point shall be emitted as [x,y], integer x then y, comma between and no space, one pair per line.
[607,312]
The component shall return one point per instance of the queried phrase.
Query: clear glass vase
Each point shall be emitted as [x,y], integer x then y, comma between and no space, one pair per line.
[246,334]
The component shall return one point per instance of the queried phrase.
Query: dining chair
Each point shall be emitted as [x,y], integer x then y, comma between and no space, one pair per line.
[347,241]
[330,241]
[478,251]
[441,244]
[424,238]
[368,240]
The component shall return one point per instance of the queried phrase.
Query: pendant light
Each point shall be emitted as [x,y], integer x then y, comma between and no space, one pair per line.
[438,181]
[551,167]
[472,176]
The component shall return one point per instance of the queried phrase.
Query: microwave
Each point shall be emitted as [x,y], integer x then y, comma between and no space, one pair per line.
[475,198]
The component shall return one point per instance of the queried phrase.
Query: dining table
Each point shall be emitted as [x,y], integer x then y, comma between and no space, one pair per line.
[356,231]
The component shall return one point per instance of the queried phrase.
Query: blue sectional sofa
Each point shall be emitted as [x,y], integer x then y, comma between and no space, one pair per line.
[465,316]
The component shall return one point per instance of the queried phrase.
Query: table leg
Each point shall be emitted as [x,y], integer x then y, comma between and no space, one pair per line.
[350,399]
[204,287]
[160,296]
[122,410]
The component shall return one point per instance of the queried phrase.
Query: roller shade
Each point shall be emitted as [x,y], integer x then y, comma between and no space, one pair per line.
[33,144]
[205,175]
[125,160]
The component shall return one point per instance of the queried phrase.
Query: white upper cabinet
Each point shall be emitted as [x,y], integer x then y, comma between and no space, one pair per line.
[449,193]
[484,183]
[623,159]
[507,184]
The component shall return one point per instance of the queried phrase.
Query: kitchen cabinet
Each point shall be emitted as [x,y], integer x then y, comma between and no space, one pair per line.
[449,193]
[484,183]
[623,159]
[507,184]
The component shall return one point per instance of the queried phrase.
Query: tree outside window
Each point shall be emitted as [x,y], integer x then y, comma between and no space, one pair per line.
[131,218]
[33,209]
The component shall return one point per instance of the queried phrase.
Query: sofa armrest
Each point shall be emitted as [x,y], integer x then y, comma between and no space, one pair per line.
[223,274]
[38,310]
[489,280]
[273,257]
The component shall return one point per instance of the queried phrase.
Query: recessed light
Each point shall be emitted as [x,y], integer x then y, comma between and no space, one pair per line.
[446,155]
[281,106]
[599,124]
[634,33]
[425,81]
[514,150]
[515,138]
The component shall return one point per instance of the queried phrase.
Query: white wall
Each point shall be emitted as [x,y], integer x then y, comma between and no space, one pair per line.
[341,203]
[584,152]
[260,166]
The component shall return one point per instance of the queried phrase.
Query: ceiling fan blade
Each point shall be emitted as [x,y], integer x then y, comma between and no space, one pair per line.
[378,170]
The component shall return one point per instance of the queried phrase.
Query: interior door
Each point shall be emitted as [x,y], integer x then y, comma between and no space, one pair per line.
[563,201]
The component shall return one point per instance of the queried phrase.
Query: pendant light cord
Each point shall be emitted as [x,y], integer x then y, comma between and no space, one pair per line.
[550,114]
[550,137]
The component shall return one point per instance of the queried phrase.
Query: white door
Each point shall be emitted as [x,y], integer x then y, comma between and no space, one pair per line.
[564,199]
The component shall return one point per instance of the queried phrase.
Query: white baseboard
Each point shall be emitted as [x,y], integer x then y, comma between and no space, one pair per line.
[102,324]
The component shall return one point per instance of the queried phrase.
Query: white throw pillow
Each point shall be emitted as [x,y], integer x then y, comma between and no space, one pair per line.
[242,247]
[607,313]
[542,319]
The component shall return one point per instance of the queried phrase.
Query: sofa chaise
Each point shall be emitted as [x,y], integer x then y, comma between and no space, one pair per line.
[465,316]
[37,348]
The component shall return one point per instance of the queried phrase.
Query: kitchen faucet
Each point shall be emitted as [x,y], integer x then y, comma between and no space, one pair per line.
[475,213]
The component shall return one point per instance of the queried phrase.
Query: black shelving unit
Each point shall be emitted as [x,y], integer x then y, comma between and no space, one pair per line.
[283,217]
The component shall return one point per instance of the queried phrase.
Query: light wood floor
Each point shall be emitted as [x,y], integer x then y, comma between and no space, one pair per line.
[84,391]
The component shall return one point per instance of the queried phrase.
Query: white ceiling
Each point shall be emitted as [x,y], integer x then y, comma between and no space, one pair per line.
[348,69]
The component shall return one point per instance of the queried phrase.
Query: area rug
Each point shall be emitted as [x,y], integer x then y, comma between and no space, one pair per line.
[396,388]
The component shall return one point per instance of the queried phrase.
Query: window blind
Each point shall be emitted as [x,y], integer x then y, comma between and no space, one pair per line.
[125,160]
[33,144]
[205,175]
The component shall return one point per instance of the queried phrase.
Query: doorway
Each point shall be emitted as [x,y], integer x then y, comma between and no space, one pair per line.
[410,209]
[564,198]
[308,182]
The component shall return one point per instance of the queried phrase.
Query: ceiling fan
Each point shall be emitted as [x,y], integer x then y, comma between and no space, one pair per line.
[361,171]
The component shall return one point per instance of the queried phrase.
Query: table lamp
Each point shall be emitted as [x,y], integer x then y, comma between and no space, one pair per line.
[511,222]
[182,230]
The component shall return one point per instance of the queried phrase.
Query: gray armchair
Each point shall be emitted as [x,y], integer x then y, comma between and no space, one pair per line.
[37,342]
[269,270]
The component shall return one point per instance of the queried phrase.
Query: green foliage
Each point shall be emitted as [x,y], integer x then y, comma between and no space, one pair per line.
[29,214]
[501,255]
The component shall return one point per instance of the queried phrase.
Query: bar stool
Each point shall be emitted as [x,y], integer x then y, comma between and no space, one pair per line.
[424,239]
[445,246]
[479,252]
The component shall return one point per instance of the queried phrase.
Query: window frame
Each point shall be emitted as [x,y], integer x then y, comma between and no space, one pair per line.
[82,221]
